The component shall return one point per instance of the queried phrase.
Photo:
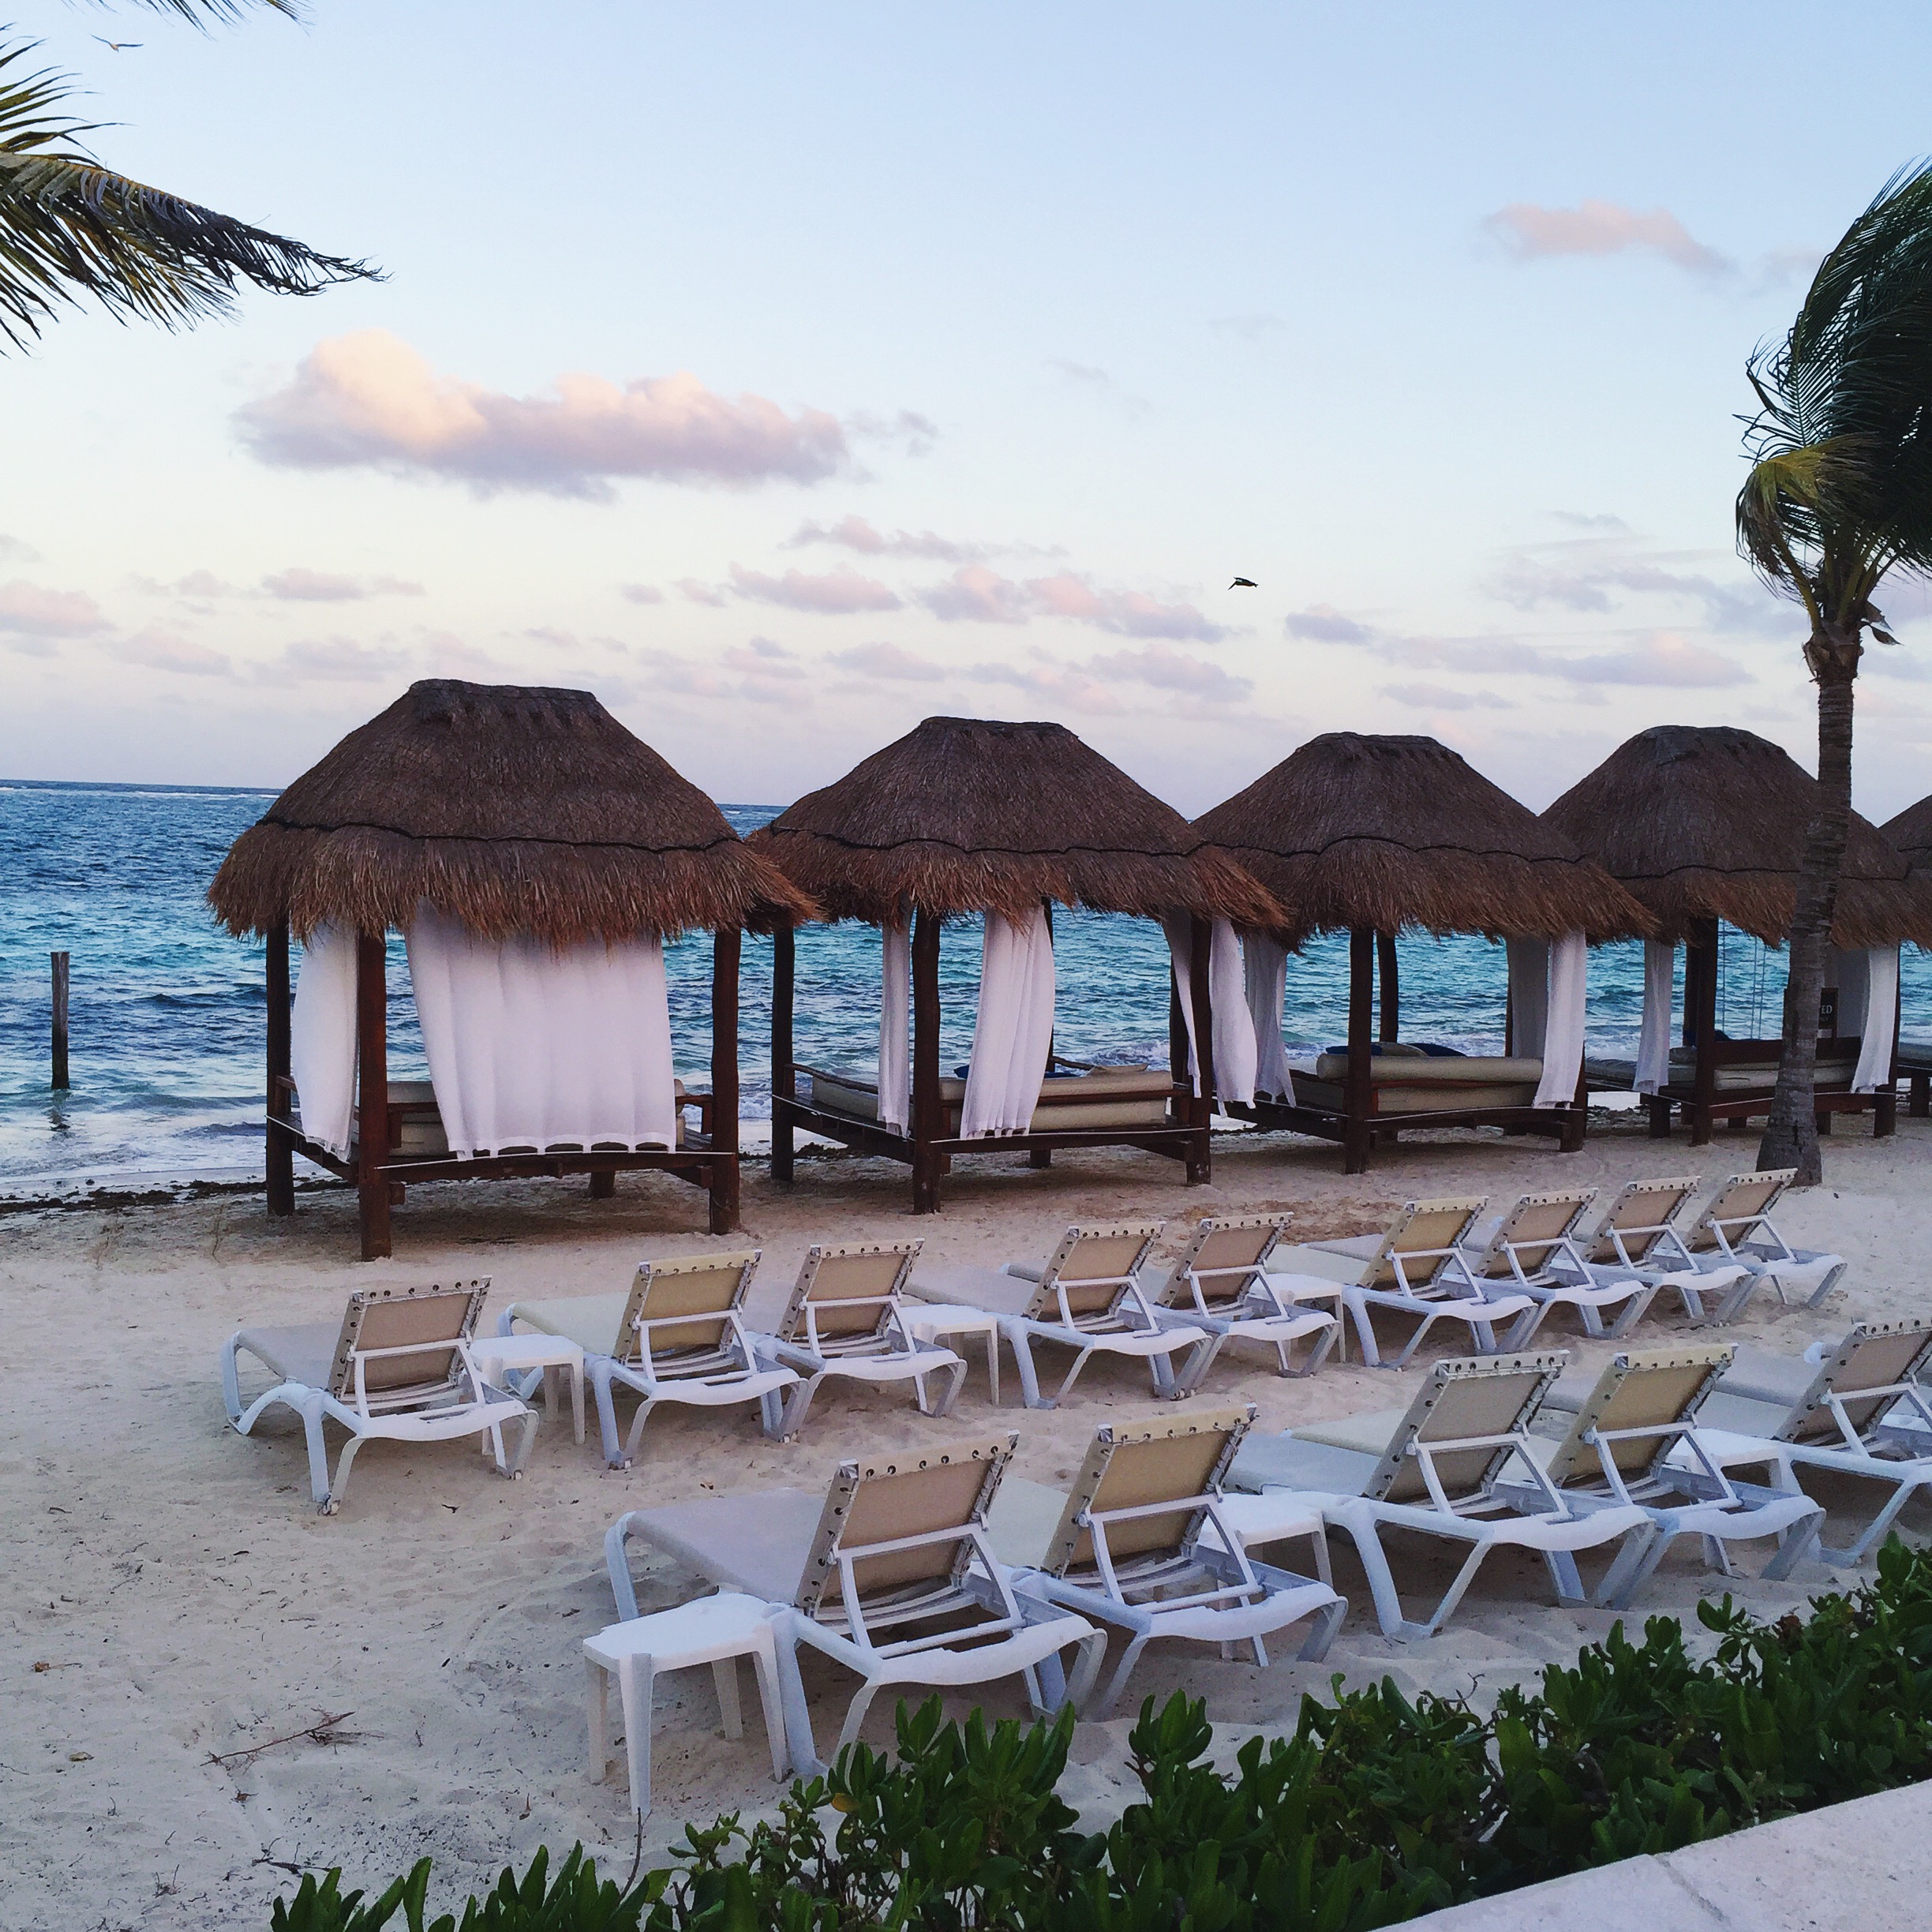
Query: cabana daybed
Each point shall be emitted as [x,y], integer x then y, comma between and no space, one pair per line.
[1373,835]
[1911,833]
[1706,824]
[966,817]
[535,856]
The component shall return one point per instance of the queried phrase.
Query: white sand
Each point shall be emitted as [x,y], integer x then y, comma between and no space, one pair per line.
[187,1601]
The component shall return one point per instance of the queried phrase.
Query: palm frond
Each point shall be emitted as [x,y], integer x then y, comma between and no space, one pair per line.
[71,229]
[198,13]
[1841,486]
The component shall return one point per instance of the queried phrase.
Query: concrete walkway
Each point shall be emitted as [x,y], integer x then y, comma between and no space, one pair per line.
[1867,1866]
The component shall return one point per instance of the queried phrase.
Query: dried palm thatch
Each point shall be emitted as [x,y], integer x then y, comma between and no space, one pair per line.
[1708,822]
[1910,834]
[1391,833]
[513,808]
[970,815]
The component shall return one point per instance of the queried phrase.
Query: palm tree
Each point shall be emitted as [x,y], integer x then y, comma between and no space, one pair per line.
[1839,493]
[70,228]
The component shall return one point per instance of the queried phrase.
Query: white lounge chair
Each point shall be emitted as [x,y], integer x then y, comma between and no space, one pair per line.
[1416,1268]
[898,1544]
[677,1336]
[1143,1545]
[1862,1412]
[1438,1466]
[1635,1439]
[845,1318]
[1220,1282]
[1637,1236]
[1532,1251]
[395,1368]
[1735,1231]
[1085,1297]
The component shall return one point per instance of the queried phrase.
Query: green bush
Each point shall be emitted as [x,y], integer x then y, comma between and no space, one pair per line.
[1376,1807]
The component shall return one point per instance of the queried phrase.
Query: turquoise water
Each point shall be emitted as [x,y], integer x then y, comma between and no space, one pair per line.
[167,1012]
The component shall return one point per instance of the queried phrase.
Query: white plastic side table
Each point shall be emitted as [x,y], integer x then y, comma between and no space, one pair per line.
[498,1356]
[1276,1516]
[717,1631]
[935,1322]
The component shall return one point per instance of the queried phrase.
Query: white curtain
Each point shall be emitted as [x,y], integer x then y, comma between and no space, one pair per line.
[529,1047]
[322,1037]
[1564,1007]
[1013,1031]
[1877,1019]
[1654,1043]
[1528,996]
[1264,968]
[895,1053]
[1235,1049]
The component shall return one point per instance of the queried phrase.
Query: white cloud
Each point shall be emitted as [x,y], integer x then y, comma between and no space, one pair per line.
[32,610]
[1440,697]
[1322,623]
[854,533]
[976,595]
[1530,233]
[296,585]
[370,400]
[888,660]
[167,650]
[1164,669]
[338,659]
[712,596]
[641,593]
[839,591]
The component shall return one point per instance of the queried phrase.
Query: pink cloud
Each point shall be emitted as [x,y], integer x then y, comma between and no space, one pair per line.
[707,594]
[888,660]
[837,593]
[296,585]
[371,400]
[641,593]
[1167,669]
[166,650]
[338,660]
[1530,232]
[34,610]
[854,533]
[977,595]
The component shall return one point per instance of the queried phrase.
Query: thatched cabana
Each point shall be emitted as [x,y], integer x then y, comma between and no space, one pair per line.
[1911,833]
[1375,835]
[1706,824]
[964,816]
[511,831]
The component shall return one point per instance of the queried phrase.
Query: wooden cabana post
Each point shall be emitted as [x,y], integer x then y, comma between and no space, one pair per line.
[966,817]
[1372,835]
[516,814]
[1705,825]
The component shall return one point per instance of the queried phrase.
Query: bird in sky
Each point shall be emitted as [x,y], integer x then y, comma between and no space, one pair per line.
[115,46]
[1244,583]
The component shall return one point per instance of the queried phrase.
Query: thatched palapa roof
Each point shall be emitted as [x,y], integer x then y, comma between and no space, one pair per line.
[512,808]
[1710,822]
[1389,833]
[1910,834]
[969,815]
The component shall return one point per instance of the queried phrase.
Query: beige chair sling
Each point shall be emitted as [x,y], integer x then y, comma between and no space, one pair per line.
[846,1318]
[1635,1439]
[397,1368]
[677,1336]
[1142,1545]
[1866,1413]
[1220,1282]
[1536,1251]
[1415,1268]
[1088,1298]
[1439,1467]
[892,1576]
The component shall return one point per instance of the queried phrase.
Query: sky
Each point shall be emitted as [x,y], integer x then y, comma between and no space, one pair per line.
[786,375]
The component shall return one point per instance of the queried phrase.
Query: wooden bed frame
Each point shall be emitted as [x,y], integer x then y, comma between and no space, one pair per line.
[929,1150]
[379,1176]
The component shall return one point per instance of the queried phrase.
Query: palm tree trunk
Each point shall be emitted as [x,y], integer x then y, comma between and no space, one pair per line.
[1790,1136]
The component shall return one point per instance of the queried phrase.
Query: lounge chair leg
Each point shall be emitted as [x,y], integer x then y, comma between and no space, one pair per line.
[598,1686]
[800,1746]
[614,1456]
[1023,1360]
[724,1674]
[1642,1551]
[635,1688]
[340,1487]
[773,1705]
[855,1712]
[1122,1670]
[1454,1595]
[617,1563]
[1326,1623]
[318,1455]
[1357,1310]
[1080,1362]
[956,1380]
[797,1405]
[637,1433]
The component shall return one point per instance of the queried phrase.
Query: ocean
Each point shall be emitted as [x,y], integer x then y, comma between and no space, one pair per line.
[166,1011]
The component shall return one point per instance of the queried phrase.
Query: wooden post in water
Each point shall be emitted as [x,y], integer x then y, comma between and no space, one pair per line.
[60,1022]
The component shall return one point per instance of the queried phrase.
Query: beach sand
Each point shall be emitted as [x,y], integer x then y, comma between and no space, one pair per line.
[171,1597]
